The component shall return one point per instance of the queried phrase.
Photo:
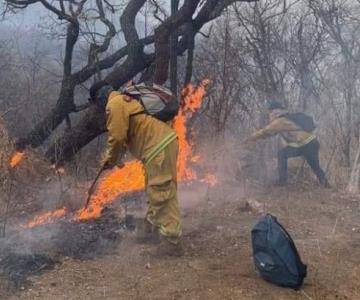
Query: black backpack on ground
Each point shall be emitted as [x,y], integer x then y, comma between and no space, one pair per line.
[157,100]
[304,121]
[275,256]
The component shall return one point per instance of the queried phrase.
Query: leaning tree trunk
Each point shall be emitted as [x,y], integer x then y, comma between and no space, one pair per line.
[354,182]
[65,103]
[92,124]
[88,128]
[42,130]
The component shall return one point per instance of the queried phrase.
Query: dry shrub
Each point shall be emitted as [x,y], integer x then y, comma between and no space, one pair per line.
[20,185]
[5,149]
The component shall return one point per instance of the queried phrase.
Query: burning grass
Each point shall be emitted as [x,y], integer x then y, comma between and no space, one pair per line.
[100,230]
[119,181]
[27,253]
[129,179]
[16,159]
[46,217]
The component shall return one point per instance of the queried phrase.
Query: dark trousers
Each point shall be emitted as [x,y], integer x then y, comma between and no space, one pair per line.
[310,152]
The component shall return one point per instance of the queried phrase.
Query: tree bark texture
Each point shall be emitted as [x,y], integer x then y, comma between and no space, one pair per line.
[173,54]
[133,61]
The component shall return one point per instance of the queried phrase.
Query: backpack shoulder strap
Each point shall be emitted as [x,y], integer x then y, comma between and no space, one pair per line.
[139,100]
[292,244]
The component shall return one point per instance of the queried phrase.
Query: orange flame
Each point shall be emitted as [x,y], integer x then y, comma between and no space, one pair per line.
[192,100]
[16,158]
[130,178]
[48,217]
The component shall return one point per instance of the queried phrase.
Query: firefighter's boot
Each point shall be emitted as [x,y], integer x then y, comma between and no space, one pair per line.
[146,233]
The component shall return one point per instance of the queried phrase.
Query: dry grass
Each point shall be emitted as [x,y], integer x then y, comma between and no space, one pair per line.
[5,149]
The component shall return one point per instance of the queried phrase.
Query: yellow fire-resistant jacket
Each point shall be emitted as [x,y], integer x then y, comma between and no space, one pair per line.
[291,133]
[129,127]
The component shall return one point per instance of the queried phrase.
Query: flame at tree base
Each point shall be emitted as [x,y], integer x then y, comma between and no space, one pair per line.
[130,178]
[16,158]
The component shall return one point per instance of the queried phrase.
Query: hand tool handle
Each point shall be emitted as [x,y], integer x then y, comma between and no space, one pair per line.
[91,189]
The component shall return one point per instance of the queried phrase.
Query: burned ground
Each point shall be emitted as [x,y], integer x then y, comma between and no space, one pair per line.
[218,262]
[32,251]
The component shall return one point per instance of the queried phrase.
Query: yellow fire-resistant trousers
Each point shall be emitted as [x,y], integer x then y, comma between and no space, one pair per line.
[161,191]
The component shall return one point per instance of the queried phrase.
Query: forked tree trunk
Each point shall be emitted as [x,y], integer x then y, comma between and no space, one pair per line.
[93,121]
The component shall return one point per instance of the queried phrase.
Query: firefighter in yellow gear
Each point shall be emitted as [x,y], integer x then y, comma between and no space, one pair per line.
[154,143]
[297,142]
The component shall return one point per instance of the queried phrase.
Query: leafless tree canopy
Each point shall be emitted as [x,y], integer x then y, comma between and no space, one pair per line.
[304,53]
[97,23]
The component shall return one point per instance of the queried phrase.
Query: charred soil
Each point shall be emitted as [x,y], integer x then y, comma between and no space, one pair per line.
[218,263]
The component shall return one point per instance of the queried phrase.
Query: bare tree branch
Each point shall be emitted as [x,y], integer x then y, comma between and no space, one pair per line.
[132,57]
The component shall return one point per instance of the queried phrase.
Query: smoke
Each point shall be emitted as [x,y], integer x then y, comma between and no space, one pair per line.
[230,163]
[28,242]
[34,196]
[28,252]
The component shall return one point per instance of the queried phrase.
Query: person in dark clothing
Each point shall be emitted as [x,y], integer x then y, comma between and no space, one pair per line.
[298,142]
[310,152]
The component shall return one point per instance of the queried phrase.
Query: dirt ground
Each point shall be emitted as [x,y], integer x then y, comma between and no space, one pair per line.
[218,262]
